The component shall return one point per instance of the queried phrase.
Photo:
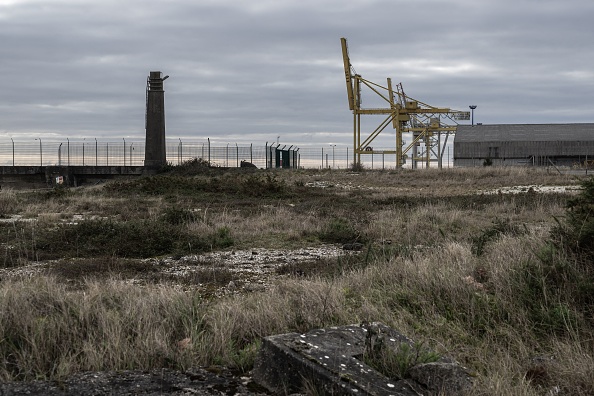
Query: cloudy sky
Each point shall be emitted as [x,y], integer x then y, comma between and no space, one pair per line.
[251,71]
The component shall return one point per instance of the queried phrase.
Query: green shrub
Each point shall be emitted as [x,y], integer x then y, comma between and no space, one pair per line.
[396,363]
[580,220]
[192,166]
[222,238]
[177,216]
[340,230]
[234,184]
[498,228]
[357,167]
[130,239]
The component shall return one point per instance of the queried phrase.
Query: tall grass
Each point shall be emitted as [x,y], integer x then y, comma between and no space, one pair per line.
[515,311]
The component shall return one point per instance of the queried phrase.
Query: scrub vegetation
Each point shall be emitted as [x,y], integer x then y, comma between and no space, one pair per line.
[502,283]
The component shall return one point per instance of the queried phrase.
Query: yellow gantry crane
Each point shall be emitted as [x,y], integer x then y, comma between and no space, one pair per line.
[406,115]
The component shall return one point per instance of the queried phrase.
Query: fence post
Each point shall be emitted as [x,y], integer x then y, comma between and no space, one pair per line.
[59,155]
[181,152]
[266,148]
[96,152]
[84,152]
[347,158]
[40,152]
[107,154]
[12,151]
[68,140]
[322,158]
[124,151]
[237,155]
[208,151]
[251,153]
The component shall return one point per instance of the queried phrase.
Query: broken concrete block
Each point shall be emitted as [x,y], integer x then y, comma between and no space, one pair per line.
[331,360]
[442,378]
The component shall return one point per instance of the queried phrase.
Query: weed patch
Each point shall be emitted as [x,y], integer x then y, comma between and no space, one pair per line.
[395,361]
[340,230]
[498,228]
[234,184]
[178,216]
[578,231]
[130,239]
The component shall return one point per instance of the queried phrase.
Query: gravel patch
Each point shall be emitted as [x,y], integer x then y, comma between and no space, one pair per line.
[533,189]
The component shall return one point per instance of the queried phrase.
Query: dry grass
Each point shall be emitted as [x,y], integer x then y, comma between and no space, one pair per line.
[458,274]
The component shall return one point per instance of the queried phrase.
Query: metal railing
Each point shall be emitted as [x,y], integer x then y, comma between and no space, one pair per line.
[130,152]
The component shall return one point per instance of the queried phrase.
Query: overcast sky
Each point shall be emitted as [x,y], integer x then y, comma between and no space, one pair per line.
[250,71]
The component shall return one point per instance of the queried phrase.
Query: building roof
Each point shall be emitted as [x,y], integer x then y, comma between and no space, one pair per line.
[525,133]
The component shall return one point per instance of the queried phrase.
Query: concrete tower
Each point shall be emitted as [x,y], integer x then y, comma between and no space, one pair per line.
[154,152]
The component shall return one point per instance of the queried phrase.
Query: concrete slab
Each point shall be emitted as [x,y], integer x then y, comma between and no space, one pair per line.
[331,360]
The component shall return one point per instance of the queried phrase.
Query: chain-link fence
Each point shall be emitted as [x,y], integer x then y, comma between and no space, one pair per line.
[128,152]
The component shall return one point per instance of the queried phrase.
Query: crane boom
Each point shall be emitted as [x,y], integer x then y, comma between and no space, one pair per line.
[347,73]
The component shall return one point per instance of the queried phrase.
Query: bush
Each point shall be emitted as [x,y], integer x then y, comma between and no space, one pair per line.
[498,228]
[192,166]
[256,185]
[357,167]
[177,216]
[130,239]
[580,220]
[340,230]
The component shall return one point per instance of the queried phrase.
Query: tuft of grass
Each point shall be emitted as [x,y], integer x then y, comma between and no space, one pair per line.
[498,228]
[340,230]
[178,216]
[395,362]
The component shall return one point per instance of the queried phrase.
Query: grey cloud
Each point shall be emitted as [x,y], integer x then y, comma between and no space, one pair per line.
[255,69]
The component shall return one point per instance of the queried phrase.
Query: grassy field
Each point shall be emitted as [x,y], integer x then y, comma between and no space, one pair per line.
[503,283]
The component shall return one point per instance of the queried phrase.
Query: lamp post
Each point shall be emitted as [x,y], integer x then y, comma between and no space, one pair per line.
[40,152]
[472,107]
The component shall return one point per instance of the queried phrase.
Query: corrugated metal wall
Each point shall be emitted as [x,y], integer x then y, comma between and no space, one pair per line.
[517,153]
[521,149]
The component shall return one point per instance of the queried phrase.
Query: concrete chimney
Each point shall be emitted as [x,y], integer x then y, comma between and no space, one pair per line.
[154,152]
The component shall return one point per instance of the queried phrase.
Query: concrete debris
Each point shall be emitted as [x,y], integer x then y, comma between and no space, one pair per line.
[331,361]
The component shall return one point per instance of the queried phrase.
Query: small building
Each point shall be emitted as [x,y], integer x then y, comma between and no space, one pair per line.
[524,144]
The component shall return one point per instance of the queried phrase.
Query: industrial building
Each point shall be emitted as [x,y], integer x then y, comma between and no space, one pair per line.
[524,144]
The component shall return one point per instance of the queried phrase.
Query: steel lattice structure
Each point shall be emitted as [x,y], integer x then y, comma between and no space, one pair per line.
[405,115]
